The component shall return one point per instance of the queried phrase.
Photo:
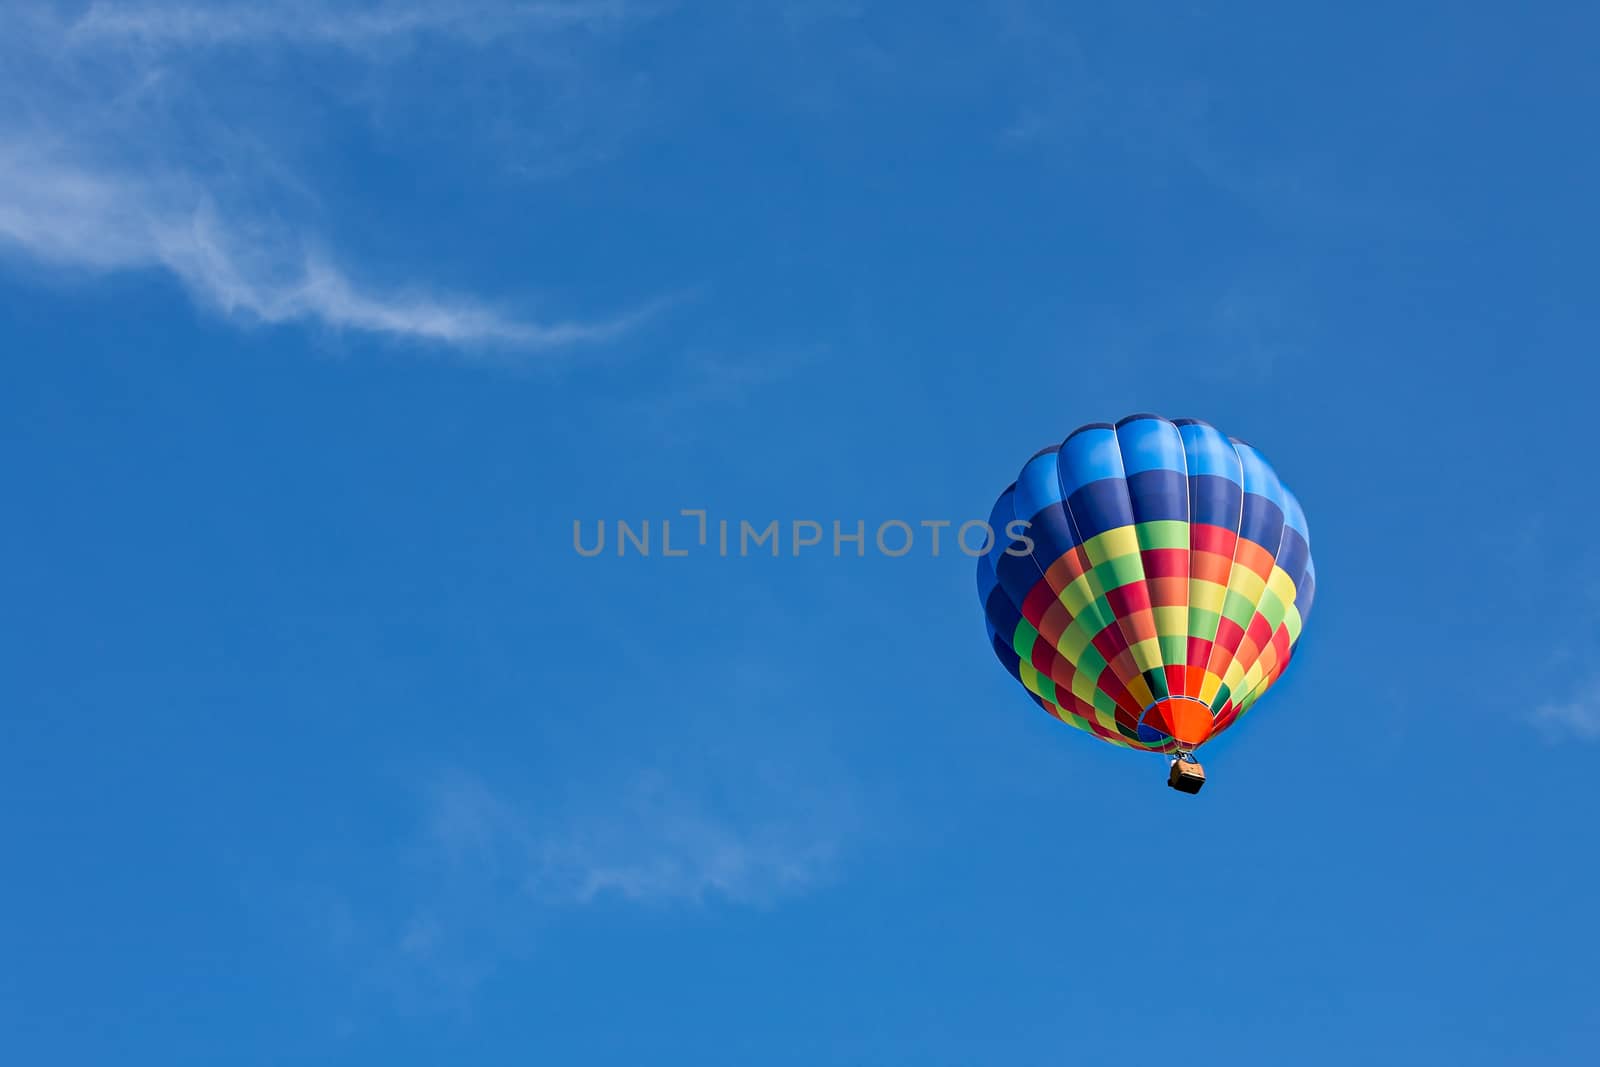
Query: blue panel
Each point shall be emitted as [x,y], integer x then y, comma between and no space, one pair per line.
[1215,501]
[1002,512]
[1039,484]
[1149,443]
[1001,614]
[998,607]
[1159,494]
[1207,451]
[1052,534]
[1150,734]
[1100,506]
[1038,500]
[986,578]
[1089,455]
[1262,522]
[1008,656]
[1293,555]
[1259,477]
[1017,575]
[1264,500]
[1306,591]
[1293,517]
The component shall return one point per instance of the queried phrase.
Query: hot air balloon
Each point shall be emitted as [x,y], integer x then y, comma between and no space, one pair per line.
[1147,582]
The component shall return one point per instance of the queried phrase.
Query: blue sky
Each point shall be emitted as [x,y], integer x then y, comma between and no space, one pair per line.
[322,324]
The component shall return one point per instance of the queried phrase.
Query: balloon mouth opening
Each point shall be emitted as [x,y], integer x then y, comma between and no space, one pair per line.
[1186,720]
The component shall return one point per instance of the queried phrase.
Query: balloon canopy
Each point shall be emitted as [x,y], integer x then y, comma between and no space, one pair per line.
[1147,581]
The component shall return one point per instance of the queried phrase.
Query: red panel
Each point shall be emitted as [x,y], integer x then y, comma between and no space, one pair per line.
[1127,599]
[1055,622]
[1207,538]
[1109,642]
[1037,602]
[1165,562]
[1175,678]
[1229,634]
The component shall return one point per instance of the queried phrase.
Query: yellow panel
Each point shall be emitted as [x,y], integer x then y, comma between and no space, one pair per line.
[1247,583]
[1078,595]
[1147,655]
[1207,596]
[1141,692]
[1172,621]
[1074,640]
[1234,676]
[1029,676]
[1253,677]
[1282,584]
[1122,541]
[1291,620]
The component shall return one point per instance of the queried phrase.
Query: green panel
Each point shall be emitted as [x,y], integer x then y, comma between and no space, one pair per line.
[1271,608]
[1114,573]
[1174,650]
[1022,640]
[1090,662]
[1097,616]
[1202,623]
[1163,533]
[1238,609]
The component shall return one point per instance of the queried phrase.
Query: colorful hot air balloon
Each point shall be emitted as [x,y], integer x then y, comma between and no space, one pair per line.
[1147,583]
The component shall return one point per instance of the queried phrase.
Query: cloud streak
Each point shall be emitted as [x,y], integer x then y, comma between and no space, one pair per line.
[73,217]
[482,874]
[346,26]
[1576,719]
[655,846]
[112,159]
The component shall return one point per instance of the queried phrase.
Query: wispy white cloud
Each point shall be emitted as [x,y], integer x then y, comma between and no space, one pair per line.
[340,25]
[484,873]
[663,847]
[112,158]
[655,845]
[75,217]
[1575,719]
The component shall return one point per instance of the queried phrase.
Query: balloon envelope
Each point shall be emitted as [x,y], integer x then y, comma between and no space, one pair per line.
[1148,581]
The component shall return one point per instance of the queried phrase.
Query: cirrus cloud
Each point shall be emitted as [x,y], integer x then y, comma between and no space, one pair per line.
[115,156]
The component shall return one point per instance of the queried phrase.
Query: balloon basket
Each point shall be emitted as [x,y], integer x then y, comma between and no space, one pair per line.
[1186,776]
